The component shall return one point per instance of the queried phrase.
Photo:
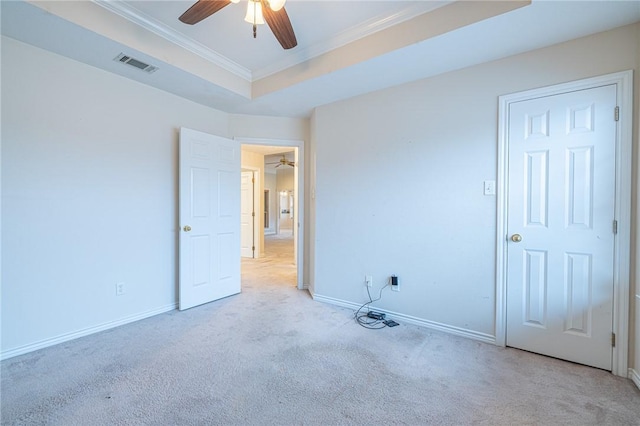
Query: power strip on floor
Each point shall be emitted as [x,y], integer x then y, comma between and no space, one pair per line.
[375,315]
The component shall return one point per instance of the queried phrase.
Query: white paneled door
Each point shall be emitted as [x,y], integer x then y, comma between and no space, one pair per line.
[209,218]
[247,213]
[561,199]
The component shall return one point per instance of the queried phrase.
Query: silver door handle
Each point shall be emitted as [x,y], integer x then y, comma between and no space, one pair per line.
[516,238]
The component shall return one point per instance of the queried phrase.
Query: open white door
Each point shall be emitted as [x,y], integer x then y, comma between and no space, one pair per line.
[209,218]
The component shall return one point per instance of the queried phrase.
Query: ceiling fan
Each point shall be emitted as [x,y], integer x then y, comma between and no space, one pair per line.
[258,11]
[284,162]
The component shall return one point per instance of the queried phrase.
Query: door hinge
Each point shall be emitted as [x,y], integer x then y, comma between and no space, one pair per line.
[616,113]
[253,248]
[613,340]
[253,214]
[253,180]
[615,226]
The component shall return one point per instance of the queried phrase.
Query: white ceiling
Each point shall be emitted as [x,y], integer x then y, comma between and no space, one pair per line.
[345,47]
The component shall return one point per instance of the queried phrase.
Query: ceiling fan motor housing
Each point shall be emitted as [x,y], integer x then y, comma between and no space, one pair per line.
[276,17]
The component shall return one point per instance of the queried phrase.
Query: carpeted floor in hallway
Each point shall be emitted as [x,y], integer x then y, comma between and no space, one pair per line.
[276,267]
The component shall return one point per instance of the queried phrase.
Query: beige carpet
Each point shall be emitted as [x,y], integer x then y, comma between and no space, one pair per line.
[273,356]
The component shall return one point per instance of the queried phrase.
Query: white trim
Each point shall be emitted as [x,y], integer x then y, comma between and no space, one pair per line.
[299,209]
[450,329]
[158,28]
[635,377]
[624,82]
[85,332]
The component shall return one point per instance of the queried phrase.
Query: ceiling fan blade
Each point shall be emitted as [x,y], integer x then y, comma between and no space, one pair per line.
[280,25]
[201,10]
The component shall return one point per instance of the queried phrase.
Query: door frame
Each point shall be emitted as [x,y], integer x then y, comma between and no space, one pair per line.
[622,242]
[299,200]
[255,195]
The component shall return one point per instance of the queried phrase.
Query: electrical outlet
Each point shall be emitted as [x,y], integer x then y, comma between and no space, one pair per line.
[395,283]
[120,289]
[369,280]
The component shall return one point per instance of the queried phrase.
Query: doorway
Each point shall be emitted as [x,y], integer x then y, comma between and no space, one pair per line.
[286,206]
[564,221]
[280,199]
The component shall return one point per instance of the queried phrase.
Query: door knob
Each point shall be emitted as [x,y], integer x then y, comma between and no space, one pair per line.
[516,238]
[187,228]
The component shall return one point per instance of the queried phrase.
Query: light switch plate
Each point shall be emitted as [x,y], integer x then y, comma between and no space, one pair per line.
[489,187]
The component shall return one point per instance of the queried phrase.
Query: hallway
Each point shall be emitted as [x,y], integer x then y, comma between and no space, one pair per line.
[275,268]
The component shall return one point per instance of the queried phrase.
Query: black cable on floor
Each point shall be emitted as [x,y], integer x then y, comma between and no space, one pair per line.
[366,321]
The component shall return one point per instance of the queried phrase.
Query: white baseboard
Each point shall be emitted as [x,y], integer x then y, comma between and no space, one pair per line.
[458,331]
[635,377]
[84,332]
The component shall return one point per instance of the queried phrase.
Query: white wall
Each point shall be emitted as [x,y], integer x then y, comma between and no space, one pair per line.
[89,195]
[284,179]
[399,183]
[263,127]
[312,202]
[634,330]
[635,360]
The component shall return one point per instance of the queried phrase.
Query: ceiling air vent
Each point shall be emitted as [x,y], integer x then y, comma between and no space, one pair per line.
[135,63]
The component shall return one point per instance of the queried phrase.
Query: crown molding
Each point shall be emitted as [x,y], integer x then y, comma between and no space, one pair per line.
[134,15]
[365,29]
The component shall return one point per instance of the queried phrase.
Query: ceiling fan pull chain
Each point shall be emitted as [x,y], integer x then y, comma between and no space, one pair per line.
[255,27]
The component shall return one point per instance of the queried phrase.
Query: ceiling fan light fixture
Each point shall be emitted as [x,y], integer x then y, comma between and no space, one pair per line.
[254,13]
[274,14]
[235,1]
[276,5]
